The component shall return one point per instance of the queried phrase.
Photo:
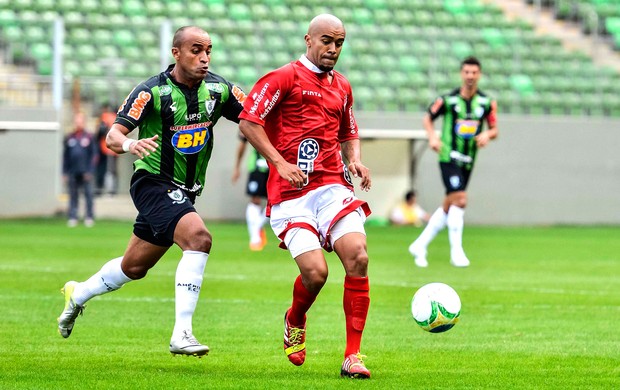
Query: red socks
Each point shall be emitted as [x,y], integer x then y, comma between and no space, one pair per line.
[356,300]
[302,300]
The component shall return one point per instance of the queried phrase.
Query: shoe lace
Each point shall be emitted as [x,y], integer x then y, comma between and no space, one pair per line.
[295,335]
[189,337]
[77,311]
[360,357]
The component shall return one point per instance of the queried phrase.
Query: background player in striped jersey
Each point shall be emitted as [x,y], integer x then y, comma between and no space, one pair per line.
[464,111]
[300,117]
[256,189]
[175,111]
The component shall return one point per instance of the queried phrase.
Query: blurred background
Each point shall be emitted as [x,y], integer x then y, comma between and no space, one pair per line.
[553,66]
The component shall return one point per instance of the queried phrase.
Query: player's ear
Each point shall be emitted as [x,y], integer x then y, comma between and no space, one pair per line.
[175,53]
[307,39]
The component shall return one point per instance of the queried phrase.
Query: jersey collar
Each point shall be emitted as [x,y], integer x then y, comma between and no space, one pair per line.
[306,62]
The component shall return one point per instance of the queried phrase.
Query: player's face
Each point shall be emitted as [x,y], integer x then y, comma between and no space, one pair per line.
[470,74]
[193,56]
[324,47]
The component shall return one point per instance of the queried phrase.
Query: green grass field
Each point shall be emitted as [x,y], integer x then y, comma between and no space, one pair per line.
[541,309]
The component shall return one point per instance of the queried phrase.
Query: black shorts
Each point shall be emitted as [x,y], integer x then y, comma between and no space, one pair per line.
[257,184]
[160,206]
[455,177]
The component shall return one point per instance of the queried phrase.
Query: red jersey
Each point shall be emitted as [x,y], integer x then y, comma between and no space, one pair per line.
[306,118]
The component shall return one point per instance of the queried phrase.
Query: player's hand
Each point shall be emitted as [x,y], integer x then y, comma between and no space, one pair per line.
[434,143]
[235,175]
[143,147]
[292,174]
[359,170]
[482,139]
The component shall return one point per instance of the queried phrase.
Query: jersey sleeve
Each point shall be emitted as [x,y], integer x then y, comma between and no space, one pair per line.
[437,108]
[135,107]
[348,127]
[234,104]
[492,117]
[267,94]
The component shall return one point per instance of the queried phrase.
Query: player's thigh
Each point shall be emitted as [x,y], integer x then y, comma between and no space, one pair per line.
[313,268]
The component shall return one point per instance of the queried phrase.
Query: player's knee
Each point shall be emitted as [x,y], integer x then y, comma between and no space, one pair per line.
[202,241]
[135,271]
[315,279]
[357,261]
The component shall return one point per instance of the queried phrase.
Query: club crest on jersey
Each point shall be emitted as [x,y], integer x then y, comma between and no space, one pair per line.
[307,152]
[190,139]
[209,105]
[165,90]
[177,196]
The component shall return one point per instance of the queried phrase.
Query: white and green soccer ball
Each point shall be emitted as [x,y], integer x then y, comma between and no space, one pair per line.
[436,307]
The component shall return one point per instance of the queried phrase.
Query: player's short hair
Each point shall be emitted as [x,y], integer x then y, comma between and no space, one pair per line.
[471,60]
[178,38]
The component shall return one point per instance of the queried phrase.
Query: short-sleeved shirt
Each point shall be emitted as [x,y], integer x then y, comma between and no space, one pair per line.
[306,118]
[183,118]
[462,120]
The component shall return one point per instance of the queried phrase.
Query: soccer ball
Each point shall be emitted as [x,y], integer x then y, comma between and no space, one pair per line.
[436,307]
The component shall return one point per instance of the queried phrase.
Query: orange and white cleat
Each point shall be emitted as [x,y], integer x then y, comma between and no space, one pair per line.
[294,342]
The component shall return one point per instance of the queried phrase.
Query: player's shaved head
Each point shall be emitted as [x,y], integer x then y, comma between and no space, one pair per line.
[181,35]
[324,21]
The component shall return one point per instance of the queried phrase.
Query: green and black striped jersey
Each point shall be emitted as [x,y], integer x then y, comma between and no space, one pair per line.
[183,118]
[462,121]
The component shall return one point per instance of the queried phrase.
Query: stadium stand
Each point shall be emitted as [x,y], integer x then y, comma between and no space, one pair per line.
[400,53]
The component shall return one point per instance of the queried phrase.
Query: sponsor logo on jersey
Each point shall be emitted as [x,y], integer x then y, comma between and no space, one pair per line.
[311,93]
[466,128]
[193,117]
[215,87]
[190,139]
[173,106]
[258,97]
[307,152]
[177,196]
[460,157]
[270,103]
[137,107]
[239,94]
[165,90]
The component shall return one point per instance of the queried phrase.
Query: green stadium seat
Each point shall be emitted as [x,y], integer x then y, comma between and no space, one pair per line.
[124,37]
[175,9]
[522,84]
[132,7]
[239,11]
[35,34]
[43,5]
[41,51]
[247,75]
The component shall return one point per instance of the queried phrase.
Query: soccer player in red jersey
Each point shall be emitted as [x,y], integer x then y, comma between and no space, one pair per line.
[300,118]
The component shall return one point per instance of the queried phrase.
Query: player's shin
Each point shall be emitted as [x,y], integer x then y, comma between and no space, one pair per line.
[356,300]
[188,282]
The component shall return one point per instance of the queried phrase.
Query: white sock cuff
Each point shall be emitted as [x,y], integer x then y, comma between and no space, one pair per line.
[193,261]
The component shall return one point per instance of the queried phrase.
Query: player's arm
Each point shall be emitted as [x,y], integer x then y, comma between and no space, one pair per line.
[491,133]
[118,142]
[434,142]
[134,109]
[351,151]
[256,136]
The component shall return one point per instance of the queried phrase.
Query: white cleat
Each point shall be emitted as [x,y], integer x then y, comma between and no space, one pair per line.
[419,255]
[187,344]
[458,258]
[70,312]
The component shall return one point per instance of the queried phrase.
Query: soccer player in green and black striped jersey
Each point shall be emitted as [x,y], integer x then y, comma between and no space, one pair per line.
[175,112]
[464,112]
